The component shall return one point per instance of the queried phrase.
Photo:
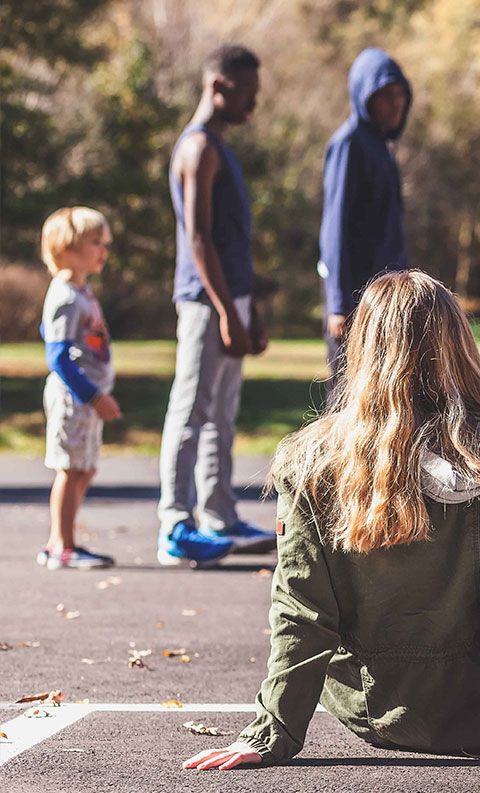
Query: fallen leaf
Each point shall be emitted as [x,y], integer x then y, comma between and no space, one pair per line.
[160,624]
[3,735]
[5,646]
[28,644]
[196,655]
[85,701]
[191,612]
[265,572]
[136,659]
[201,729]
[37,713]
[69,615]
[171,653]
[54,697]
[185,659]
[172,704]
[89,661]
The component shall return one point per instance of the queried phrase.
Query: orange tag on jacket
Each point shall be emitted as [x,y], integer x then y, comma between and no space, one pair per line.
[280,527]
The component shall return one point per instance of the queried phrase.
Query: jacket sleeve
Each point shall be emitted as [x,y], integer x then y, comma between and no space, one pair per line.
[342,180]
[59,328]
[57,354]
[304,619]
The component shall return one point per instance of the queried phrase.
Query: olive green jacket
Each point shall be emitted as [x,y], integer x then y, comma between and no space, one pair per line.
[388,642]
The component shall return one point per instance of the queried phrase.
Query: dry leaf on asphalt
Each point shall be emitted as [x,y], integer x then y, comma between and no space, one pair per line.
[28,644]
[160,624]
[3,735]
[37,713]
[172,653]
[85,701]
[201,729]
[54,697]
[185,659]
[5,646]
[89,661]
[264,572]
[112,580]
[172,704]
[69,615]
[136,659]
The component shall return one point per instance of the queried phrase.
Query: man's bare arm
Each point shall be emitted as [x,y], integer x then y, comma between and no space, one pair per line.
[200,165]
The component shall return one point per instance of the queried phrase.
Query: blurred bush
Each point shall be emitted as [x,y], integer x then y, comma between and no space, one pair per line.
[22,290]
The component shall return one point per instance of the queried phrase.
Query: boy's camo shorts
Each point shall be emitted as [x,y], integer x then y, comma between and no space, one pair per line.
[74,430]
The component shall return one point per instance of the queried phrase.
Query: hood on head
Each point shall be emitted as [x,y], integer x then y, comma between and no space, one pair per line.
[441,482]
[370,71]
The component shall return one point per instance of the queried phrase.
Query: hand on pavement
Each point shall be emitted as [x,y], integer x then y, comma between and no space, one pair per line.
[236,754]
[108,408]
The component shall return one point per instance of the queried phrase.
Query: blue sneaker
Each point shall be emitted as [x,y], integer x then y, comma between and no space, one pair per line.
[187,547]
[246,537]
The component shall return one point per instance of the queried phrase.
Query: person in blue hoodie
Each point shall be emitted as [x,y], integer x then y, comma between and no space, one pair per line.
[362,226]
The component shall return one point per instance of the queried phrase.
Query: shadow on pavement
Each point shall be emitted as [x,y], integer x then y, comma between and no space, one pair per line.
[236,567]
[40,495]
[394,762]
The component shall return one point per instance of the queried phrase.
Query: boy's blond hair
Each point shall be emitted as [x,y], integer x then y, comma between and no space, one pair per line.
[64,228]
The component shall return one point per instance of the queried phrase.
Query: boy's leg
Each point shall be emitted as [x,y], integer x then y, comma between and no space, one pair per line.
[74,437]
[68,490]
[198,355]
[216,498]
[213,472]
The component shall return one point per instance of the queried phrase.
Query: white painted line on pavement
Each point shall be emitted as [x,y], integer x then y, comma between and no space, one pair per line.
[23,733]
[152,707]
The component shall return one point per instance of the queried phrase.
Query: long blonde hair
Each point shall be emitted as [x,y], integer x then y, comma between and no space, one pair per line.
[411,383]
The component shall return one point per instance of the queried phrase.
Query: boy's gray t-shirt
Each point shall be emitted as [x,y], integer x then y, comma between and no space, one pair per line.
[73,314]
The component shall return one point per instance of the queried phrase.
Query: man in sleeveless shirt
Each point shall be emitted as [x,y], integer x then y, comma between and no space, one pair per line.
[212,293]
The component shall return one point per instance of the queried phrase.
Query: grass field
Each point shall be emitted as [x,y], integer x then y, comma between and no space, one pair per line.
[278,395]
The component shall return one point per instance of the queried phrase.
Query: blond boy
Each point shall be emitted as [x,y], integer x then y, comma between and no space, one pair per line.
[77,392]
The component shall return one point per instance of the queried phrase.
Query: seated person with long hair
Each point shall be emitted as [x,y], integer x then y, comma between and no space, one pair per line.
[375,600]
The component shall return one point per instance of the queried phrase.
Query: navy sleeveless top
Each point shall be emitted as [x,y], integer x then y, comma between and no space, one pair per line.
[231,226]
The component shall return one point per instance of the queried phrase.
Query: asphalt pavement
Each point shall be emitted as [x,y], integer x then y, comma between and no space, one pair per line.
[121,737]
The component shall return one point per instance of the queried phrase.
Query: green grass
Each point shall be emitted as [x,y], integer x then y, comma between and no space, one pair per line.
[277,395]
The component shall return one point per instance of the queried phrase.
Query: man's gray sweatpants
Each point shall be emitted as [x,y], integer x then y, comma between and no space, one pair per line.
[195,458]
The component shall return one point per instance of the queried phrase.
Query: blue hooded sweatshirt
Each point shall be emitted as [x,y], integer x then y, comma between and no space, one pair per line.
[362,225]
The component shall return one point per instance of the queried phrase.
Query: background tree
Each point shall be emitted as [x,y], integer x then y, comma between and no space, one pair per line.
[96,92]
